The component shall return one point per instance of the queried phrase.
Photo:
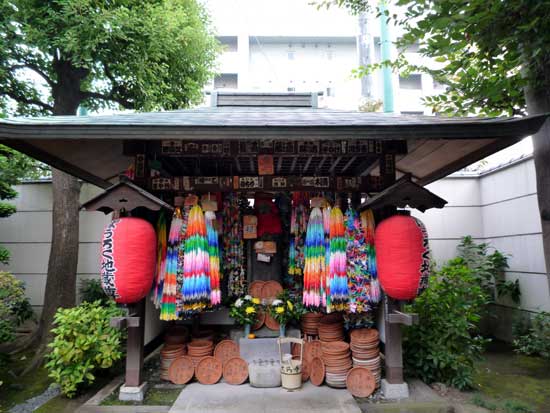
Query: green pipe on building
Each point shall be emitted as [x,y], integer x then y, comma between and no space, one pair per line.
[385,52]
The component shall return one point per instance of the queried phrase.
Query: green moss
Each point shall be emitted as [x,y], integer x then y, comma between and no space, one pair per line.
[516,382]
[59,404]
[15,390]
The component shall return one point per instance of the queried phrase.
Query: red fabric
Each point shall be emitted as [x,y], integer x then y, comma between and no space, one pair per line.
[402,256]
[269,220]
[128,259]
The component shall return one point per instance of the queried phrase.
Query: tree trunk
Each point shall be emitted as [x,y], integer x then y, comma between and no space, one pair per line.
[538,101]
[61,281]
[60,289]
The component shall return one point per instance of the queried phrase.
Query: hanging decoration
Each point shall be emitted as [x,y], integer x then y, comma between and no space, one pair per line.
[214,256]
[196,290]
[161,259]
[361,274]
[315,261]
[298,228]
[181,259]
[337,281]
[368,227]
[403,256]
[128,259]
[168,301]
[234,262]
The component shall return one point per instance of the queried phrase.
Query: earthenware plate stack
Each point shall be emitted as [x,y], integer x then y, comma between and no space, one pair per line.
[310,323]
[168,354]
[204,335]
[365,351]
[225,350]
[337,360]
[331,329]
[198,349]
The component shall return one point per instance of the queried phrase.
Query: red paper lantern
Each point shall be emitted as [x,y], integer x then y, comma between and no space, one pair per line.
[402,256]
[128,258]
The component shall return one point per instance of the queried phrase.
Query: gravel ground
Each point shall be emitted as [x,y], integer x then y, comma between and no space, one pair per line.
[35,402]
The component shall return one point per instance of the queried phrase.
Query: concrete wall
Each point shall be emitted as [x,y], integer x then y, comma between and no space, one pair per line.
[500,208]
[27,235]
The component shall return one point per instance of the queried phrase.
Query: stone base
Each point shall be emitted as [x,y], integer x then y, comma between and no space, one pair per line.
[395,391]
[132,393]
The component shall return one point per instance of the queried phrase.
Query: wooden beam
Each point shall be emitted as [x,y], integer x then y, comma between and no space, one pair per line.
[469,159]
[397,317]
[307,164]
[279,163]
[321,164]
[238,164]
[252,166]
[334,164]
[56,162]
[293,164]
[266,183]
[348,164]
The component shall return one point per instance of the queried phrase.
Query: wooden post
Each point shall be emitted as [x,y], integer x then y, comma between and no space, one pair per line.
[393,346]
[134,352]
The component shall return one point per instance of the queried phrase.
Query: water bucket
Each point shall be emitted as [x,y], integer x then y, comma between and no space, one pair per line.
[291,370]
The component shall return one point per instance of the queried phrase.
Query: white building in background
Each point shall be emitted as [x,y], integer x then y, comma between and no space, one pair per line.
[290,45]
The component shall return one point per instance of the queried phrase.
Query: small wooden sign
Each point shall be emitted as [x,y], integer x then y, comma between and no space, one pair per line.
[250,225]
[209,203]
[265,165]
[191,200]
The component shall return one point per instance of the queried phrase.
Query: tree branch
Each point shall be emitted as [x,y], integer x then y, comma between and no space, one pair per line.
[27,101]
[109,97]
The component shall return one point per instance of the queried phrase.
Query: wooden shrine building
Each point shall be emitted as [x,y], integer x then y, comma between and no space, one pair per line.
[271,143]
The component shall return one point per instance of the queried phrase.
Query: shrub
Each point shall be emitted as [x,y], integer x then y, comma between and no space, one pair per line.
[83,343]
[537,339]
[14,306]
[488,266]
[91,291]
[445,344]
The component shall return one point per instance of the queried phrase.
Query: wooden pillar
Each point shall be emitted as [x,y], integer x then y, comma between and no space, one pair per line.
[134,352]
[394,344]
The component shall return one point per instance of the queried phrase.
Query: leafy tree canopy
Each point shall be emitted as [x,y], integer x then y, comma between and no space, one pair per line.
[486,51]
[138,54]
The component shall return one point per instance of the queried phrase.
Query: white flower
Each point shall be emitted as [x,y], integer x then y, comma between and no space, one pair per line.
[238,303]
[276,302]
[248,297]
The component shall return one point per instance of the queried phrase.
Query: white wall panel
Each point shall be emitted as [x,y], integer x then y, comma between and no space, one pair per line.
[515,216]
[452,222]
[526,252]
[510,182]
[535,294]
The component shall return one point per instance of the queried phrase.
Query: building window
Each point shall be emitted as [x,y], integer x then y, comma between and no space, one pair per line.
[330,91]
[290,55]
[410,82]
[226,81]
[228,43]
[291,89]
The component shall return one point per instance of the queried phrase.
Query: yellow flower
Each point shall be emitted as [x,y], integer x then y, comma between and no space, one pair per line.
[279,310]
[290,306]
[250,310]
[256,300]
